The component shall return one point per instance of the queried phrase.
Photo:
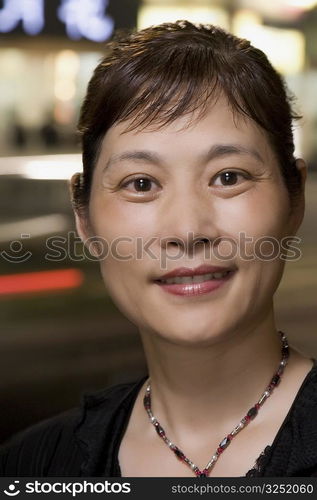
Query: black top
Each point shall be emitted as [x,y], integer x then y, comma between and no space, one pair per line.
[85,441]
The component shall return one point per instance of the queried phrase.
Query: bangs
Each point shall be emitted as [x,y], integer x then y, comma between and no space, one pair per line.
[180,83]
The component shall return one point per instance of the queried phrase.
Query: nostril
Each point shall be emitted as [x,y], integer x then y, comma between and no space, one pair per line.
[189,241]
[173,241]
[202,240]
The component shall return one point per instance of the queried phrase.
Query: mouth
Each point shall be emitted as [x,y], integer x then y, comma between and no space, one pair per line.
[195,284]
[199,278]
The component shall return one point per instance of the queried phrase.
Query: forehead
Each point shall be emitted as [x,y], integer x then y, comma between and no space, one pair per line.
[189,135]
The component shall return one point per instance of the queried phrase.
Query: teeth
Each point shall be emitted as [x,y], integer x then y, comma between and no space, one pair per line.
[195,279]
[217,276]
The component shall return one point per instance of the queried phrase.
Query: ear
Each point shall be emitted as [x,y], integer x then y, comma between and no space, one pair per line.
[82,222]
[82,226]
[298,209]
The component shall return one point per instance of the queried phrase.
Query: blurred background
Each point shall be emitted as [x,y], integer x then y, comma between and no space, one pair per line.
[61,335]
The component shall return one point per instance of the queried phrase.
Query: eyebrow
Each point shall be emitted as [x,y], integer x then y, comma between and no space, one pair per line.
[136,156]
[216,151]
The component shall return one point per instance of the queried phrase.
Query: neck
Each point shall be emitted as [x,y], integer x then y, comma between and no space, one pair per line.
[200,385]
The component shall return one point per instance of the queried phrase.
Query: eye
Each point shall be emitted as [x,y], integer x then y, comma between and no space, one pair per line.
[230,178]
[139,184]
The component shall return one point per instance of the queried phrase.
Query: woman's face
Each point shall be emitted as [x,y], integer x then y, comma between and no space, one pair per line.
[183,197]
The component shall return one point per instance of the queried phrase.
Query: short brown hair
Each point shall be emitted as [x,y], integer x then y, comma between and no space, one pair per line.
[160,73]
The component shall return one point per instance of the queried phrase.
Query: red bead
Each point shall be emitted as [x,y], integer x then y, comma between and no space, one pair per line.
[220,450]
[202,473]
[258,406]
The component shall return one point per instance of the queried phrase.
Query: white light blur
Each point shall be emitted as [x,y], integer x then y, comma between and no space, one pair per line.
[246,19]
[302,4]
[149,15]
[29,12]
[64,90]
[66,70]
[67,61]
[279,9]
[34,227]
[285,48]
[42,167]
[11,63]
[86,18]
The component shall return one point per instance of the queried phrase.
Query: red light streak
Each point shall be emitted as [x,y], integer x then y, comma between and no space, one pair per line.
[40,281]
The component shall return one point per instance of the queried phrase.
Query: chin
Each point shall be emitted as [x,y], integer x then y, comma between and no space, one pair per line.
[193,333]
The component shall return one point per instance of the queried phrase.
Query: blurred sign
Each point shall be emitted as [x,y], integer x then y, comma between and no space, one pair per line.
[93,20]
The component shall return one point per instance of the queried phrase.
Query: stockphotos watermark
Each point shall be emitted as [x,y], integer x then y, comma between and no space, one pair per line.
[125,248]
[158,488]
[72,488]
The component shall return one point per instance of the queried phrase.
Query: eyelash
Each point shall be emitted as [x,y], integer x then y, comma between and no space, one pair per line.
[245,176]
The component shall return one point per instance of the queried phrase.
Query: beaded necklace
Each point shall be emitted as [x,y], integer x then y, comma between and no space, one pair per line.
[251,414]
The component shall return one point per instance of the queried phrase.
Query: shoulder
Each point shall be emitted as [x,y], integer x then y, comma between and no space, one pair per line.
[30,452]
[110,395]
[54,447]
[305,403]
[294,450]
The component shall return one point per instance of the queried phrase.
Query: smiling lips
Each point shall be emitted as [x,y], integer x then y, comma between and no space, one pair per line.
[185,281]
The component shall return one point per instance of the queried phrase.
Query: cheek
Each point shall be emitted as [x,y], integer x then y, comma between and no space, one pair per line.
[258,213]
[256,223]
[124,228]
[114,219]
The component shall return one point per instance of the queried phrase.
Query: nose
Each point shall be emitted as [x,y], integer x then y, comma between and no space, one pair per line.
[189,223]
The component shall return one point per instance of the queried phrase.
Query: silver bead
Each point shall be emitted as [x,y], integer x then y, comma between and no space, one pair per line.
[262,398]
[237,429]
[211,461]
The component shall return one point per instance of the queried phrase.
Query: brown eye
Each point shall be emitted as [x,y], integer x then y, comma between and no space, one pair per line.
[142,184]
[139,185]
[230,178]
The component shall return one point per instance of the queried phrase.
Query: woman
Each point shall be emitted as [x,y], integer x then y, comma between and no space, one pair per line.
[190,193]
